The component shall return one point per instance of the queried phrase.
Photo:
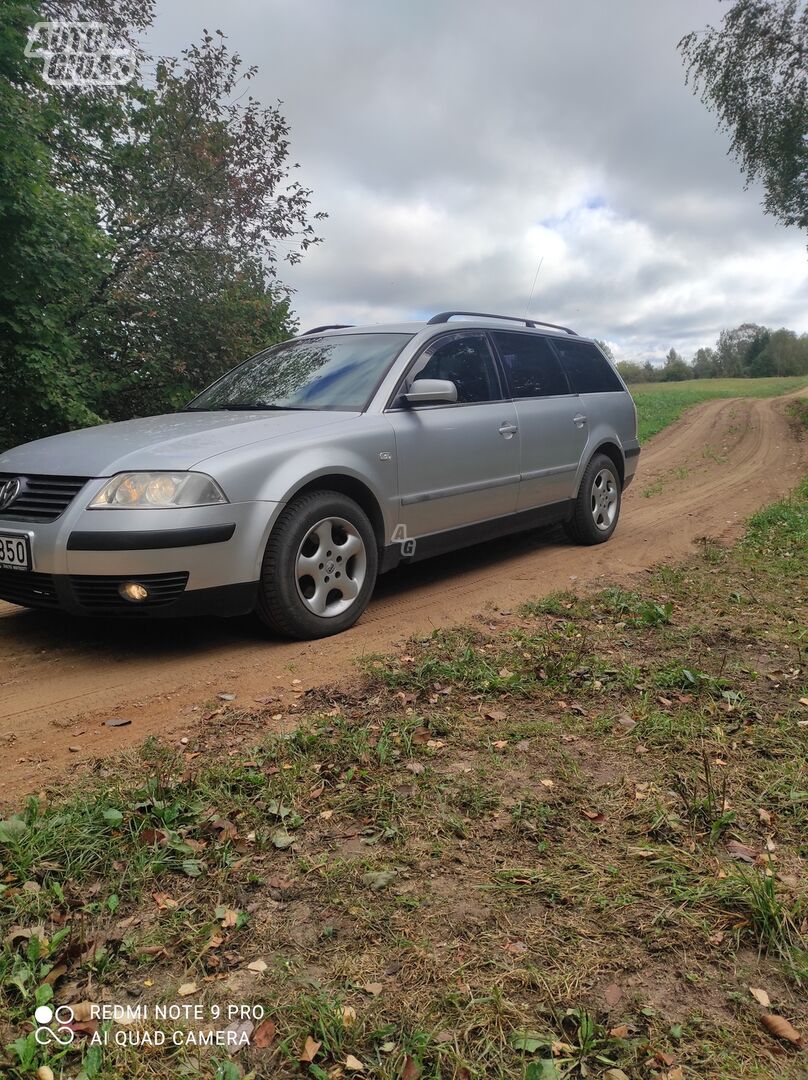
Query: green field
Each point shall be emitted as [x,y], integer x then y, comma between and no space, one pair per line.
[659,404]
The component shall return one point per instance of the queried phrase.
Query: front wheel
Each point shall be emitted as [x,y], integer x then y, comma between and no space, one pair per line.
[319,568]
[597,507]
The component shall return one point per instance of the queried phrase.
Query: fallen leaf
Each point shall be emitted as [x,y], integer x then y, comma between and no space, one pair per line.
[495,714]
[547,783]
[239,1030]
[165,902]
[742,852]
[229,919]
[626,722]
[444,1037]
[804,701]
[619,1032]
[378,879]
[760,996]
[415,767]
[187,989]
[348,1015]
[411,1070]
[83,1010]
[373,988]
[593,815]
[281,839]
[264,1034]
[615,1074]
[612,994]
[310,1049]
[764,816]
[779,1026]
[258,966]
[500,744]
[354,1064]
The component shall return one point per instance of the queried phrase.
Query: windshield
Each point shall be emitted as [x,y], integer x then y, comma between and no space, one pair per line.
[339,372]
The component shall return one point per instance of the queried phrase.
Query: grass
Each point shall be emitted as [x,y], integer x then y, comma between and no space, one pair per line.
[659,404]
[549,844]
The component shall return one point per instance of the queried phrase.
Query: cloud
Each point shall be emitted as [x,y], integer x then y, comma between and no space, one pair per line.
[454,145]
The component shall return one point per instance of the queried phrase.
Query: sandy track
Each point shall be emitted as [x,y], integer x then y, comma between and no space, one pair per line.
[60,679]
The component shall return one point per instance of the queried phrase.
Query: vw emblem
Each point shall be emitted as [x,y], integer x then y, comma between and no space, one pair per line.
[9,490]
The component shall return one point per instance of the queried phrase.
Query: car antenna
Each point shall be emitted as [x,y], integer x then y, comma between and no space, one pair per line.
[533,286]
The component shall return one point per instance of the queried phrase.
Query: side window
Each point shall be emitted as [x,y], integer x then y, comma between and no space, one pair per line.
[465,360]
[588,370]
[531,367]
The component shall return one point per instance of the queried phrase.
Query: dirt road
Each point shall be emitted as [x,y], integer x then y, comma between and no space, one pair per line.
[61,679]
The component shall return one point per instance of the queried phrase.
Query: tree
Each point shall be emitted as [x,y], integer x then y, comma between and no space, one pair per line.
[605,349]
[704,364]
[631,372]
[754,73]
[734,348]
[186,185]
[52,253]
[675,369]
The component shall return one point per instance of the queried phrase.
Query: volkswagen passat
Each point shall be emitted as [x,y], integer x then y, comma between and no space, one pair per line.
[288,485]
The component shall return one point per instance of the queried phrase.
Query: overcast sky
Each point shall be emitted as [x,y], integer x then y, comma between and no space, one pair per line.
[455,144]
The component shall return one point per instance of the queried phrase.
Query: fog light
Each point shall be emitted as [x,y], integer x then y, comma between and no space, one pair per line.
[131,590]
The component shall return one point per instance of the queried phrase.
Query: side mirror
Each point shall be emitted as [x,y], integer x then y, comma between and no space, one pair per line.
[431,392]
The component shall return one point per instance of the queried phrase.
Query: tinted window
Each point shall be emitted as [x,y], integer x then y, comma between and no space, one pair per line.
[337,372]
[531,366]
[466,361]
[588,370]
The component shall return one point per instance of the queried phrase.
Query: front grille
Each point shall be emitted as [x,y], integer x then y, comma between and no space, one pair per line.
[100,594]
[27,589]
[42,498]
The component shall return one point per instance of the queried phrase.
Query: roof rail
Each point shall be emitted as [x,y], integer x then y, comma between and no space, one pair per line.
[444,316]
[331,326]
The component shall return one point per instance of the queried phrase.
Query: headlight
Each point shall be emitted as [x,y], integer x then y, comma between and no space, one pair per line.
[153,490]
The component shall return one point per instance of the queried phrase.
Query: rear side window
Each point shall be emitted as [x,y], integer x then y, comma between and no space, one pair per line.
[531,366]
[588,370]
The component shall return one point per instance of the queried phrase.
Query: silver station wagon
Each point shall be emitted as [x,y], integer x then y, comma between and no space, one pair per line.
[288,485]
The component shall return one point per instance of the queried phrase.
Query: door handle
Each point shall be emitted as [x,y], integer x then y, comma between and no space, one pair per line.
[579,420]
[508,430]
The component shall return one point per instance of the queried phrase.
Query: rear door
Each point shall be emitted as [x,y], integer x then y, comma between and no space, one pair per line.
[458,464]
[552,432]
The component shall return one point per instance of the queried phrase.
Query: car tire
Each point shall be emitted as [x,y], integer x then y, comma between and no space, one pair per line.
[597,507]
[319,567]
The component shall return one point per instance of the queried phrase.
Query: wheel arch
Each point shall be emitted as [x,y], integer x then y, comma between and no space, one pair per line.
[352,487]
[613,451]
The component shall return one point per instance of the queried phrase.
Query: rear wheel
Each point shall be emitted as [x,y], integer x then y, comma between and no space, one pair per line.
[597,507]
[319,568]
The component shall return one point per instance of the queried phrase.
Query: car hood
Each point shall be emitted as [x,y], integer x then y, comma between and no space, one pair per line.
[176,441]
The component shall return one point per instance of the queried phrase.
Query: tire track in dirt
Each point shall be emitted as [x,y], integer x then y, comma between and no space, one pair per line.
[60,679]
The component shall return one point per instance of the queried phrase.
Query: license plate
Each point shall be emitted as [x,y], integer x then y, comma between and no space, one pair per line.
[15,552]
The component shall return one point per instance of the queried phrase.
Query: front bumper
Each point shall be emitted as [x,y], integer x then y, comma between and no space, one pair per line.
[194,560]
[98,595]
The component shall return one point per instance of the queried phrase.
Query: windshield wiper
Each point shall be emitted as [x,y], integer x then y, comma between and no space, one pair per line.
[245,408]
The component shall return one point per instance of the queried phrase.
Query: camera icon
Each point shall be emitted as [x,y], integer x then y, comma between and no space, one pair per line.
[45,1016]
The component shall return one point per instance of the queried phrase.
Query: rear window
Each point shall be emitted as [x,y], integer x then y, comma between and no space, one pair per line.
[531,367]
[588,370]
